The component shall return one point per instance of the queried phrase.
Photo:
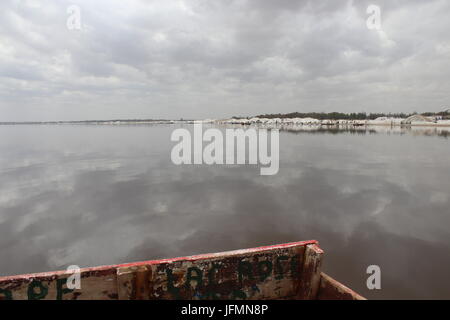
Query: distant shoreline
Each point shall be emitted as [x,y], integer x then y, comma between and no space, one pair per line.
[106,122]
[393,122]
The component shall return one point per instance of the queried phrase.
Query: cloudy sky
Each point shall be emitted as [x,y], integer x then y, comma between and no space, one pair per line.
[211,59]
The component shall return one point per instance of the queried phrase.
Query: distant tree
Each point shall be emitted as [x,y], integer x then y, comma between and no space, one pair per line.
[334,115]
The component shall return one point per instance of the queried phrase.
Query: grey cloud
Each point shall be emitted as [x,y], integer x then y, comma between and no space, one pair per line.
[201,59]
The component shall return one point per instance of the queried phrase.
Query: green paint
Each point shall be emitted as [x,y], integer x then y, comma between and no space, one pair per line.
[198,277]
[264,269]
[245,268]
[7,295]
[279,267]
[212,294]
[32,294]
[238,294]
[211,273]
[174,291]
[60,290]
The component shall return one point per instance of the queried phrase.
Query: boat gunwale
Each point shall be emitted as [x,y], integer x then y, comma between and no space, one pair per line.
[114,267]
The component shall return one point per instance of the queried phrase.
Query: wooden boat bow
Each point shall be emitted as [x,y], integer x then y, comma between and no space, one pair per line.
[285,271]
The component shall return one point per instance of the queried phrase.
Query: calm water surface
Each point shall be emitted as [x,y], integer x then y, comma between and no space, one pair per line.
[94,195]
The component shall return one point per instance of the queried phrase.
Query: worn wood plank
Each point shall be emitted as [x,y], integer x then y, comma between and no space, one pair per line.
[96,284]
[272,272]
[265,274]
[331,289]
[133,282]
[310,278]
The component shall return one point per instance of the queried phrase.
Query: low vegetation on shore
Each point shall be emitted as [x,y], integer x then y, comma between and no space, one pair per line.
[348,116]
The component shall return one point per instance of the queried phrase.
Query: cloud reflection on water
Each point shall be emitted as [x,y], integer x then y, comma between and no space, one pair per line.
[90,196]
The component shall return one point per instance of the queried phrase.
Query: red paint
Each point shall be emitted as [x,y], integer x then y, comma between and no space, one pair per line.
[111,269]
